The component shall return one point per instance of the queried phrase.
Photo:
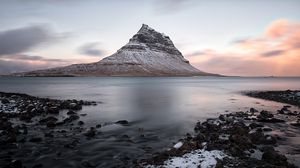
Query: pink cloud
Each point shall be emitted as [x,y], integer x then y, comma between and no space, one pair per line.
[275,52]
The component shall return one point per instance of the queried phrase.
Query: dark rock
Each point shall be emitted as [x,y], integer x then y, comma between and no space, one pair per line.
[253,110]
[122,122]
[87,164]
[265,114]
[71,118]
[222,117]
[16,164]
[271,120]
[255,125]
[274,158]
[71,112]
[53,110]
[267,129]
[30,107]
[296,124]
[75,106]
[72,145]
[257,137]
[48,119]
[51,124]
[91,132]
[49,134]
[4,101]
[38,165]
[80,122]
[35,139]
[98,126]
[219,164]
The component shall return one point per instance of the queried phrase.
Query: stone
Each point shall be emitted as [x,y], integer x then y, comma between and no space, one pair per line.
[274,158]
[253,110]
[91,132]
[122,122]
[4,101]
[70,112]
[35,139]
[53,110]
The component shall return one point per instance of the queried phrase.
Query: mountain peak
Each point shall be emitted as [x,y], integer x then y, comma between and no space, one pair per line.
[145,27]
[149,39]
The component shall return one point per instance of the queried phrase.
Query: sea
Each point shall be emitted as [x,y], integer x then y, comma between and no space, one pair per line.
[160,111]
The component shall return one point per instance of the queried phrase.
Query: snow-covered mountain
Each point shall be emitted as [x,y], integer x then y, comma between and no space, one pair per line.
[148,53]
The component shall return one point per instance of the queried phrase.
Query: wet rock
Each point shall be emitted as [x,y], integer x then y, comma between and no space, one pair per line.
[71,112]
[265,115]
[274,158]
[80,122]
[88,164]
[253,110]
[72,145]
[49,134]
[16,164]
[53,110]
[296,124]
[91,132]
[271,120]
[38,165]
[35,139]
[30,107]
[219,164]
[25,117]
[4,101]
[255,125]
[122,122]
[48,119]
[267,129]
[98,126]
[71,118]
[75,106]
[51,124]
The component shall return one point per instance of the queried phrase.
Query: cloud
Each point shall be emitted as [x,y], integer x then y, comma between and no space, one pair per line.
[22,63]
[275,52]
[23,39]
[91,49]
[171,6]
[30,58]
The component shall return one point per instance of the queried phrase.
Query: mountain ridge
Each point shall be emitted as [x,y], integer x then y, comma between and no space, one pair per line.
[148,53]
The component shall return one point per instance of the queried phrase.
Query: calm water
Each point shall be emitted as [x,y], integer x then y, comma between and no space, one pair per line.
[165,108]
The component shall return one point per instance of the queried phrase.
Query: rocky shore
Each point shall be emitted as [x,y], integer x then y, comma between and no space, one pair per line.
[288,96]
[236,139]
[26,120]
[41,126]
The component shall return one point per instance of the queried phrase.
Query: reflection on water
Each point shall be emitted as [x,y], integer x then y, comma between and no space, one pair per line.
[163,108]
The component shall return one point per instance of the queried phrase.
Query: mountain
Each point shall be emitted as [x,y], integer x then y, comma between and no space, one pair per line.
[148,53]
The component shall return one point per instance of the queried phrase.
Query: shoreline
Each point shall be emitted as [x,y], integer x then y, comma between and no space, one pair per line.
[238,139]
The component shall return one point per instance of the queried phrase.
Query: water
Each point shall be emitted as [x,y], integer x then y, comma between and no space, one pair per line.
[162,109]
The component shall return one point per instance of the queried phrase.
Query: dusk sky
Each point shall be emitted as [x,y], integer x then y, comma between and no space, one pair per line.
[230,37]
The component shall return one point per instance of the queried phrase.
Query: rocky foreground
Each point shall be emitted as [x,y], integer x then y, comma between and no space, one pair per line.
[27,119]
[28,124]
[237,139]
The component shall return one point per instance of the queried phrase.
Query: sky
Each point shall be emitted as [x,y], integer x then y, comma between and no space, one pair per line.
[229,37]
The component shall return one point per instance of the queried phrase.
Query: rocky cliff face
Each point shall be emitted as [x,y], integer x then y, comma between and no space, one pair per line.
[148,53]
